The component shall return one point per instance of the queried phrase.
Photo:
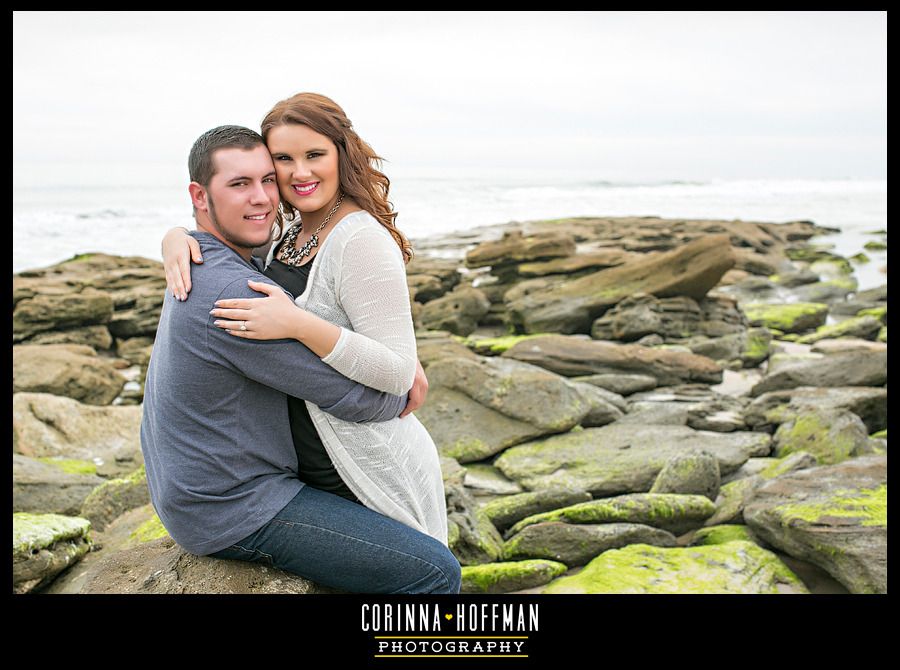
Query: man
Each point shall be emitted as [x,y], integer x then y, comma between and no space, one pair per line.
[216,436]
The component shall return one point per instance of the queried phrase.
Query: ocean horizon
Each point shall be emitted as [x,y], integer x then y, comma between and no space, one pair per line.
[54,223]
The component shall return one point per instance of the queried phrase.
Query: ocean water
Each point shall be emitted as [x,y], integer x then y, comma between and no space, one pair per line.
[53,224]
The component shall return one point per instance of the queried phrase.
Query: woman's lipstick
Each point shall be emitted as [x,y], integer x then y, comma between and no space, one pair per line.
[299,192]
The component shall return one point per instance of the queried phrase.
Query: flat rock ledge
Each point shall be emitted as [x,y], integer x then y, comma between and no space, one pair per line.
[162,566]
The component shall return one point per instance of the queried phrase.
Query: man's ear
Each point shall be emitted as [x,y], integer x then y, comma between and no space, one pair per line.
[199,196]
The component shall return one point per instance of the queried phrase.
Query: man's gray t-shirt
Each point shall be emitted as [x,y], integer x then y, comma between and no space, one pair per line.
[215,433]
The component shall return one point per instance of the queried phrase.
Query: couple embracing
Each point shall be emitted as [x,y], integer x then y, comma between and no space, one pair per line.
[277,405]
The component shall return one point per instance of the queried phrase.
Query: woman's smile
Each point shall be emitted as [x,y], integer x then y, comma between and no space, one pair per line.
[305,189]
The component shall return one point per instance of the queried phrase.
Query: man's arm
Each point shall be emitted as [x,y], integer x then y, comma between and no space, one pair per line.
[290,367]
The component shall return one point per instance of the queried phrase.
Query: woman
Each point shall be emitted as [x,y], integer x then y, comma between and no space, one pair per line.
[339,252]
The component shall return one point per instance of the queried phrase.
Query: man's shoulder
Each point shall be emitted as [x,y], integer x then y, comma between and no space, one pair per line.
[224,272]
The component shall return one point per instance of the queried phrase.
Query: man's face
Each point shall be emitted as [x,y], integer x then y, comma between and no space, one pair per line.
[241,199]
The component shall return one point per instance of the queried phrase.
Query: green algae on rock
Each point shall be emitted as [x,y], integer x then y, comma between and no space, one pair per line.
[693,472]
[150,530]
[579,543]
[116,497]
[834,516]
[475,540]
[797,460]
[73,466]
[757,347]
[39,531]
[869,506]
[879,313]
[452,534]
[830,436]
[504,512]
[723,533]
[671,512]
[621,457]
[733,567]
[733,496]
[44,545]
[43,487]
[509,576]
[496,345]
[788,318]
[865,327]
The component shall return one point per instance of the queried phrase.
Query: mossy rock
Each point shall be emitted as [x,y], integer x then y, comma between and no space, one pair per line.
[831,437]
[881,434]
[150,530]
[832,267]
[579,543]
[875,245]
[115,497]
[797,460]
[472,537]
[865,327]
[79,257]
[789,317]
[879,313]
[452,534]
[671,512]
[693,472]
[509,576]
[860,258]
[44,545]
[494,346]
[757,347]
[722,534]
[733,567]
[869,506]
[882,335]
[834,516]
[72,466]
[733,496]
[504,512]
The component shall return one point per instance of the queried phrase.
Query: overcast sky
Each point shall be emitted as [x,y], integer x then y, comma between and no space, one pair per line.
[118,98]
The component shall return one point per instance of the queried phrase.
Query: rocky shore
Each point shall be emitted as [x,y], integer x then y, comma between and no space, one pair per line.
[622,405]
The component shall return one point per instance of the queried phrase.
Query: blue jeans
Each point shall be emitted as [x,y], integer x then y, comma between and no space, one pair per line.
[341,544]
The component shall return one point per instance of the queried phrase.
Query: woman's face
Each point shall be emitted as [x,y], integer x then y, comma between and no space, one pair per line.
[306,164]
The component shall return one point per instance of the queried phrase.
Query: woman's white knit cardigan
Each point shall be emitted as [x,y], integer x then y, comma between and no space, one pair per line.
[358,282]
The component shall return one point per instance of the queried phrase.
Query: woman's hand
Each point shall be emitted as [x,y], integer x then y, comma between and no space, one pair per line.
[178,250]
[274,317]
[418,391]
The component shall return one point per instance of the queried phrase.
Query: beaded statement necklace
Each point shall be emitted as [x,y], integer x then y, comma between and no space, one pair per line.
[289,254]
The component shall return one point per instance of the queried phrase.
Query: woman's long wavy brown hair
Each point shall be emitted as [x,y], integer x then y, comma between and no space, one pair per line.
[357,161]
